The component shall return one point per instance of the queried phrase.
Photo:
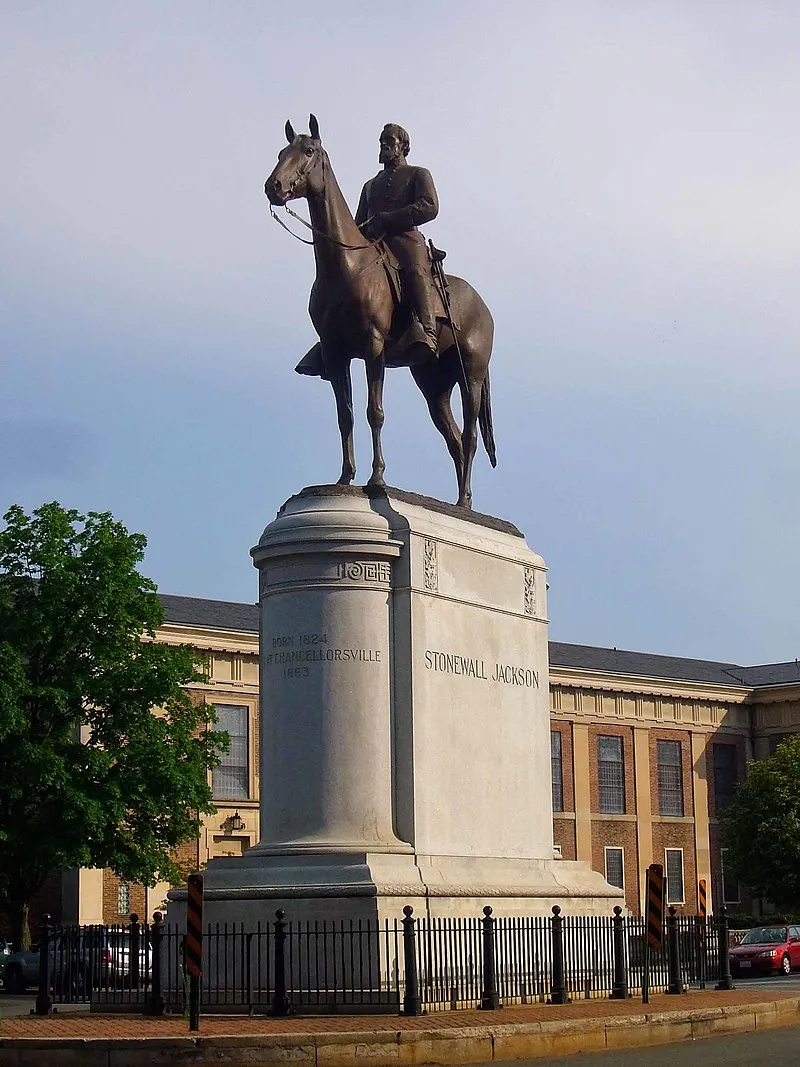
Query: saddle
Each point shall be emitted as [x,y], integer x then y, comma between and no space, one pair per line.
[312,363]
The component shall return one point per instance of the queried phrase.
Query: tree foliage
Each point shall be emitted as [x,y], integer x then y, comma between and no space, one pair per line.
[761,828]
[105,756]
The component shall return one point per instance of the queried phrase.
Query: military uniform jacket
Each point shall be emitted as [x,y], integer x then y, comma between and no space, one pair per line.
[405,194]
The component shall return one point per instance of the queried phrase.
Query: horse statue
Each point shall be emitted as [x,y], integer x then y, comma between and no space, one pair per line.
[355,311]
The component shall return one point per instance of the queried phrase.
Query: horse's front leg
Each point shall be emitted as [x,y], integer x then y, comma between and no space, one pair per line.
[343,392]
[375,371]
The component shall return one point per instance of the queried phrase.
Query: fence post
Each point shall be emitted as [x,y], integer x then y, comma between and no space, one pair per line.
[134,943]
[412,1002]
[44,1002]
[194,944]
[619,990]
[490,1000]
[675,985]
[155,1002]
[558,984]
[280,1001]
[724,960]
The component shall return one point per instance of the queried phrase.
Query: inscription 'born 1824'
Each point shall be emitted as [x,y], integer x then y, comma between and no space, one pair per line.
[469,667]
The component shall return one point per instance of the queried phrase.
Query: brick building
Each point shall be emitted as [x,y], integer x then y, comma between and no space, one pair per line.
[646,749]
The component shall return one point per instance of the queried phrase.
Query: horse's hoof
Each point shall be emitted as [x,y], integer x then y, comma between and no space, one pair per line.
[376,482]
[465,502]
[346,479]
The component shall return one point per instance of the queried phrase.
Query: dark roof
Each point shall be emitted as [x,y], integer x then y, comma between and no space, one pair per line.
[229,615]
[772,673]
[619,661]
[215,614]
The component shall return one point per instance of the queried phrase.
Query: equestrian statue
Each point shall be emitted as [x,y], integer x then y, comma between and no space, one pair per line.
[380,296]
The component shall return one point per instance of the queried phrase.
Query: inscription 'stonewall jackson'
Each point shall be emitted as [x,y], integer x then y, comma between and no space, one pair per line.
[471,667]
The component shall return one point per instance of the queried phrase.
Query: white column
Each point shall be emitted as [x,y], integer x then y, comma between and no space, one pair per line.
[325,724]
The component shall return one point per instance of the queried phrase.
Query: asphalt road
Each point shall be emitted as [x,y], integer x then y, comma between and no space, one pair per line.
[778,1048]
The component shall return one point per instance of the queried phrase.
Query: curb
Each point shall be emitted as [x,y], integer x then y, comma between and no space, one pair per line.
[486,1044]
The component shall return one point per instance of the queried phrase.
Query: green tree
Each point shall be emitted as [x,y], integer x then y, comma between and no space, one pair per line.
[105,756]
[761,828]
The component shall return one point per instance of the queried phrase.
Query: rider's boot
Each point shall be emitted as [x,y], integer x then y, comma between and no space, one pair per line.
[421,338]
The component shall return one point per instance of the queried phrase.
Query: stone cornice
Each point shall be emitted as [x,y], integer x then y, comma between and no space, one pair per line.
[578,678]
[201,637]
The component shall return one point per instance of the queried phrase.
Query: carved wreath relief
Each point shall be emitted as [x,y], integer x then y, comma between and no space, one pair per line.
[530,591]
[431,566]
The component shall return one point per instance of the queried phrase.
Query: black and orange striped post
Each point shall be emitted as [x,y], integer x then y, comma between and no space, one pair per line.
[654,919]
[194,946]
[702,926]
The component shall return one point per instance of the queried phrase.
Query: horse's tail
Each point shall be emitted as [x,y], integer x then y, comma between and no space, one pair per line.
[485,420]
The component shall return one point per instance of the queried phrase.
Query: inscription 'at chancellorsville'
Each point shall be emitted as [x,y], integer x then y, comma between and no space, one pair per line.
[470,667]
[295,653]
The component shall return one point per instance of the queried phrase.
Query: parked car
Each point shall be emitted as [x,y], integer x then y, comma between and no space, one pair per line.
[21,970]
[81,958]
[767,950]
[5,952]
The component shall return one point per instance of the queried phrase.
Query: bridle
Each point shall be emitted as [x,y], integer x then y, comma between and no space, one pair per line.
[381,253]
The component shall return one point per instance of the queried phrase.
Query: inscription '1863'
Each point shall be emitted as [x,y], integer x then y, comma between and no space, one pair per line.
[470,667]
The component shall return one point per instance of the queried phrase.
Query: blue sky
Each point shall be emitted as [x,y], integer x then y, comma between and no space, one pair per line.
[619,181]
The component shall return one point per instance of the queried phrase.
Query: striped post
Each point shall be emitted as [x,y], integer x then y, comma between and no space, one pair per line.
[702,927]
[194,946]
[654,904]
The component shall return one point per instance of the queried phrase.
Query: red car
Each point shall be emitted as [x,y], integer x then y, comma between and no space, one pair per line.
[767,950]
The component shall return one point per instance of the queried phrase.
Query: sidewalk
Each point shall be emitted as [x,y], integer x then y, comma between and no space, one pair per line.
[390,1041]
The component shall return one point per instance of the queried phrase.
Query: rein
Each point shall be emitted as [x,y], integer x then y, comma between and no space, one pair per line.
[314,229]
[381,252]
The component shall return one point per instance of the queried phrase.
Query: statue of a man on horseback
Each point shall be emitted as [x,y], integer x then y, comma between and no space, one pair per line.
[353,303]
[393,204]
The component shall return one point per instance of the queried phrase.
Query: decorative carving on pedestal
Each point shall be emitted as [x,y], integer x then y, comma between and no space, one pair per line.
[530,591]
[431,566]
[366,571]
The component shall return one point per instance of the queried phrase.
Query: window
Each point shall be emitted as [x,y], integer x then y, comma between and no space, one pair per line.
[611,775]
[231,779]
[730,888]
[670,777]
[674,872]
[725,775]
[615,867]
[123,899]
[557,770]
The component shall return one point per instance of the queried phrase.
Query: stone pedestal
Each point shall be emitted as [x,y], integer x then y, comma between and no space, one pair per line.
[405,734]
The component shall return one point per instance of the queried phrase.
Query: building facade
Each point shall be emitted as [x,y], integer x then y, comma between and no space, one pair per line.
[646,751]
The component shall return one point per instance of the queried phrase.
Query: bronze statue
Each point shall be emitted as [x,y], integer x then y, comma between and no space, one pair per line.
[356,309]
[393,204]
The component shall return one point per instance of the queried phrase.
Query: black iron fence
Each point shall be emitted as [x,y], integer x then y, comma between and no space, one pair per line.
[410,965]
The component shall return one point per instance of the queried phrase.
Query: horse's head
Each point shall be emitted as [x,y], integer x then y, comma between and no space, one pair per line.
[299,167]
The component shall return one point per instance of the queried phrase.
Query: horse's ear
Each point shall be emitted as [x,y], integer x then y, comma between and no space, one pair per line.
[313,125]
[289,131]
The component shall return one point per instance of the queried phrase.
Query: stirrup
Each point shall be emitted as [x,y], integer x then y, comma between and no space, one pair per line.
[437,254]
